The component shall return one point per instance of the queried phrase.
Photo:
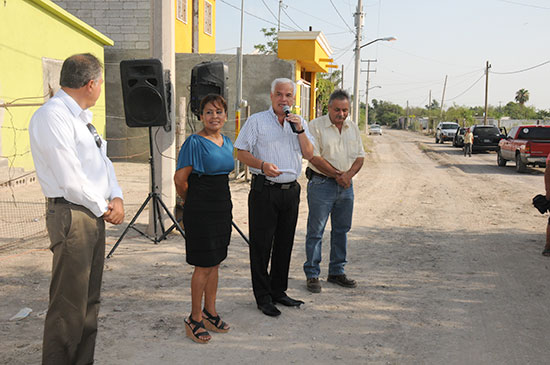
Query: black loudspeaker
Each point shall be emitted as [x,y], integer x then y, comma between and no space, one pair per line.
[208,78]
[144,93]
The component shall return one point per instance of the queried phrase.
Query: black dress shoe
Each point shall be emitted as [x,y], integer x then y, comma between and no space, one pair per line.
[288,301]
[269,309]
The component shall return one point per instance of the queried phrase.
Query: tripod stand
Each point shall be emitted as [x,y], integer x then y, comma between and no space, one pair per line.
[157,203]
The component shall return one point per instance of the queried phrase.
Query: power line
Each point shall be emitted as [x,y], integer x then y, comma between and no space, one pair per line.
[525,69]
[275,16]
[468,89]
[254,15]
[284,11]
[321,19]
[337,33]
[341,17]
[528,5]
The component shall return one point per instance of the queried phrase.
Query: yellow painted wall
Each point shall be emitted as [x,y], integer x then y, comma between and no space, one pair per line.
[297,77]
[308,51]
[312,98]
[184,31]
[207,43]
[22,48]
[296,49]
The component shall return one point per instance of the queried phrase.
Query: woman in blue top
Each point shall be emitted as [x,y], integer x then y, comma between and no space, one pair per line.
[201,179]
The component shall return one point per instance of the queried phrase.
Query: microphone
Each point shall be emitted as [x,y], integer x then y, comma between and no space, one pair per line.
[286,110]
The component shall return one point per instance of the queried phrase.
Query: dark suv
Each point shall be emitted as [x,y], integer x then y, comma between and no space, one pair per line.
[458,140]
[486,137]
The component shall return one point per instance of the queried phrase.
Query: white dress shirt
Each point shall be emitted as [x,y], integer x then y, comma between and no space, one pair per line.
[263,136]
[67,160]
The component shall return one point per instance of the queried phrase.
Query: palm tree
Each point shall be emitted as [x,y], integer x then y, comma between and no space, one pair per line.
[522,96]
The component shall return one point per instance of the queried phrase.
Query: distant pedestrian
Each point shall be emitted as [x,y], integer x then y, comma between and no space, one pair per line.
[468,142]
[546,250]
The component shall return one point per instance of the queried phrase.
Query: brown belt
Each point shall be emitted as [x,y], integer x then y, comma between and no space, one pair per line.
[315,173]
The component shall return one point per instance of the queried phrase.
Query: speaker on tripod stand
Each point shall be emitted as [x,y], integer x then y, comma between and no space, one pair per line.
[146,104]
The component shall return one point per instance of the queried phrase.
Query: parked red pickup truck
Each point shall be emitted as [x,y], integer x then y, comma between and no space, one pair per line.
[526,145]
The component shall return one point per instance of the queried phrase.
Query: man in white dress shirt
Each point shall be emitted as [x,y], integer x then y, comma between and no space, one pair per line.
[78,179]
[274,150]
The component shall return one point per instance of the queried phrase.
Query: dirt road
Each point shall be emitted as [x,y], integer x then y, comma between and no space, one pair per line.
[446,251]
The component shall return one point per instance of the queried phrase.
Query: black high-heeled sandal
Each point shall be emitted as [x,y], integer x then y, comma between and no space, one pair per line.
[215,323]
[193,333]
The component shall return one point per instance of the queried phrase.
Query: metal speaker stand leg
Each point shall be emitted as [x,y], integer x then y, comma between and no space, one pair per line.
[156,205]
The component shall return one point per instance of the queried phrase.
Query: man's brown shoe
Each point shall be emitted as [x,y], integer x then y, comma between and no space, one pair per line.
[342,280]
[313,285]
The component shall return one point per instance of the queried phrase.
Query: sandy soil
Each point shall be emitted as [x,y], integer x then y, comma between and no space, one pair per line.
[445,249]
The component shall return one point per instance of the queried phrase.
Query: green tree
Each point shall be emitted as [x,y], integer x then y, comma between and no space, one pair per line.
[522,96]
[519,111]
[326,83]
[433,106]
[386,113]
[272,41]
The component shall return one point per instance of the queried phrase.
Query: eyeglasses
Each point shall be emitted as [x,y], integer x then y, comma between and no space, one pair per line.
[94,133]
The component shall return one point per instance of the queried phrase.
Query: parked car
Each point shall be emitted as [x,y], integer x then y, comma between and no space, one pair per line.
[445,131]
[458,139]
[526,145]
[375,129]
[486,137]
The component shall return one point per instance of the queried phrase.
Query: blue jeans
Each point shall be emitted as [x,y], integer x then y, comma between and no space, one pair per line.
[325,197]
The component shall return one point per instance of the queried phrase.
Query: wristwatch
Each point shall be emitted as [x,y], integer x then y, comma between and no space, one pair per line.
[300,132]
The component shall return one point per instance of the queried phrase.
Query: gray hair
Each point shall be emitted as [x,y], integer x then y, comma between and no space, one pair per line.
[338,95]
[283,80]
[79,69]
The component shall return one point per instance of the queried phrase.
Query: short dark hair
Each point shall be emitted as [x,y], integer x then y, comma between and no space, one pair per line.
[214,99]
[79,69]
[338,95]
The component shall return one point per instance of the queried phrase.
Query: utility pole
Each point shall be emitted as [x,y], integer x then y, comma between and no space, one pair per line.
[407,119]
[342,79]
[163,48]
[195,28]
[443,98]
[239,102]
[429,108]
[278,17]
[487,67]
[367,94]
[358,29]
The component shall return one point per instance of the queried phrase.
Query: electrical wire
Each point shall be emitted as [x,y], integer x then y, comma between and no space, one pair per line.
[292,20]
[341,17]
[468,89]
[527,5]
[275,16]
[525,69]
[422,57]
[255,16]
[323,20]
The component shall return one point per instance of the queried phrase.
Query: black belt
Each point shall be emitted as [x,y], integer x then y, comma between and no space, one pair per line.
[59,201]
[310,172]
[282,186]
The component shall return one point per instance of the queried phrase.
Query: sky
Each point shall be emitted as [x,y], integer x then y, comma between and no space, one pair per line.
[435,39]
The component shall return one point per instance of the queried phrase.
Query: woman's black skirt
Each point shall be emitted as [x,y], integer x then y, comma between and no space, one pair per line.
[207,219]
